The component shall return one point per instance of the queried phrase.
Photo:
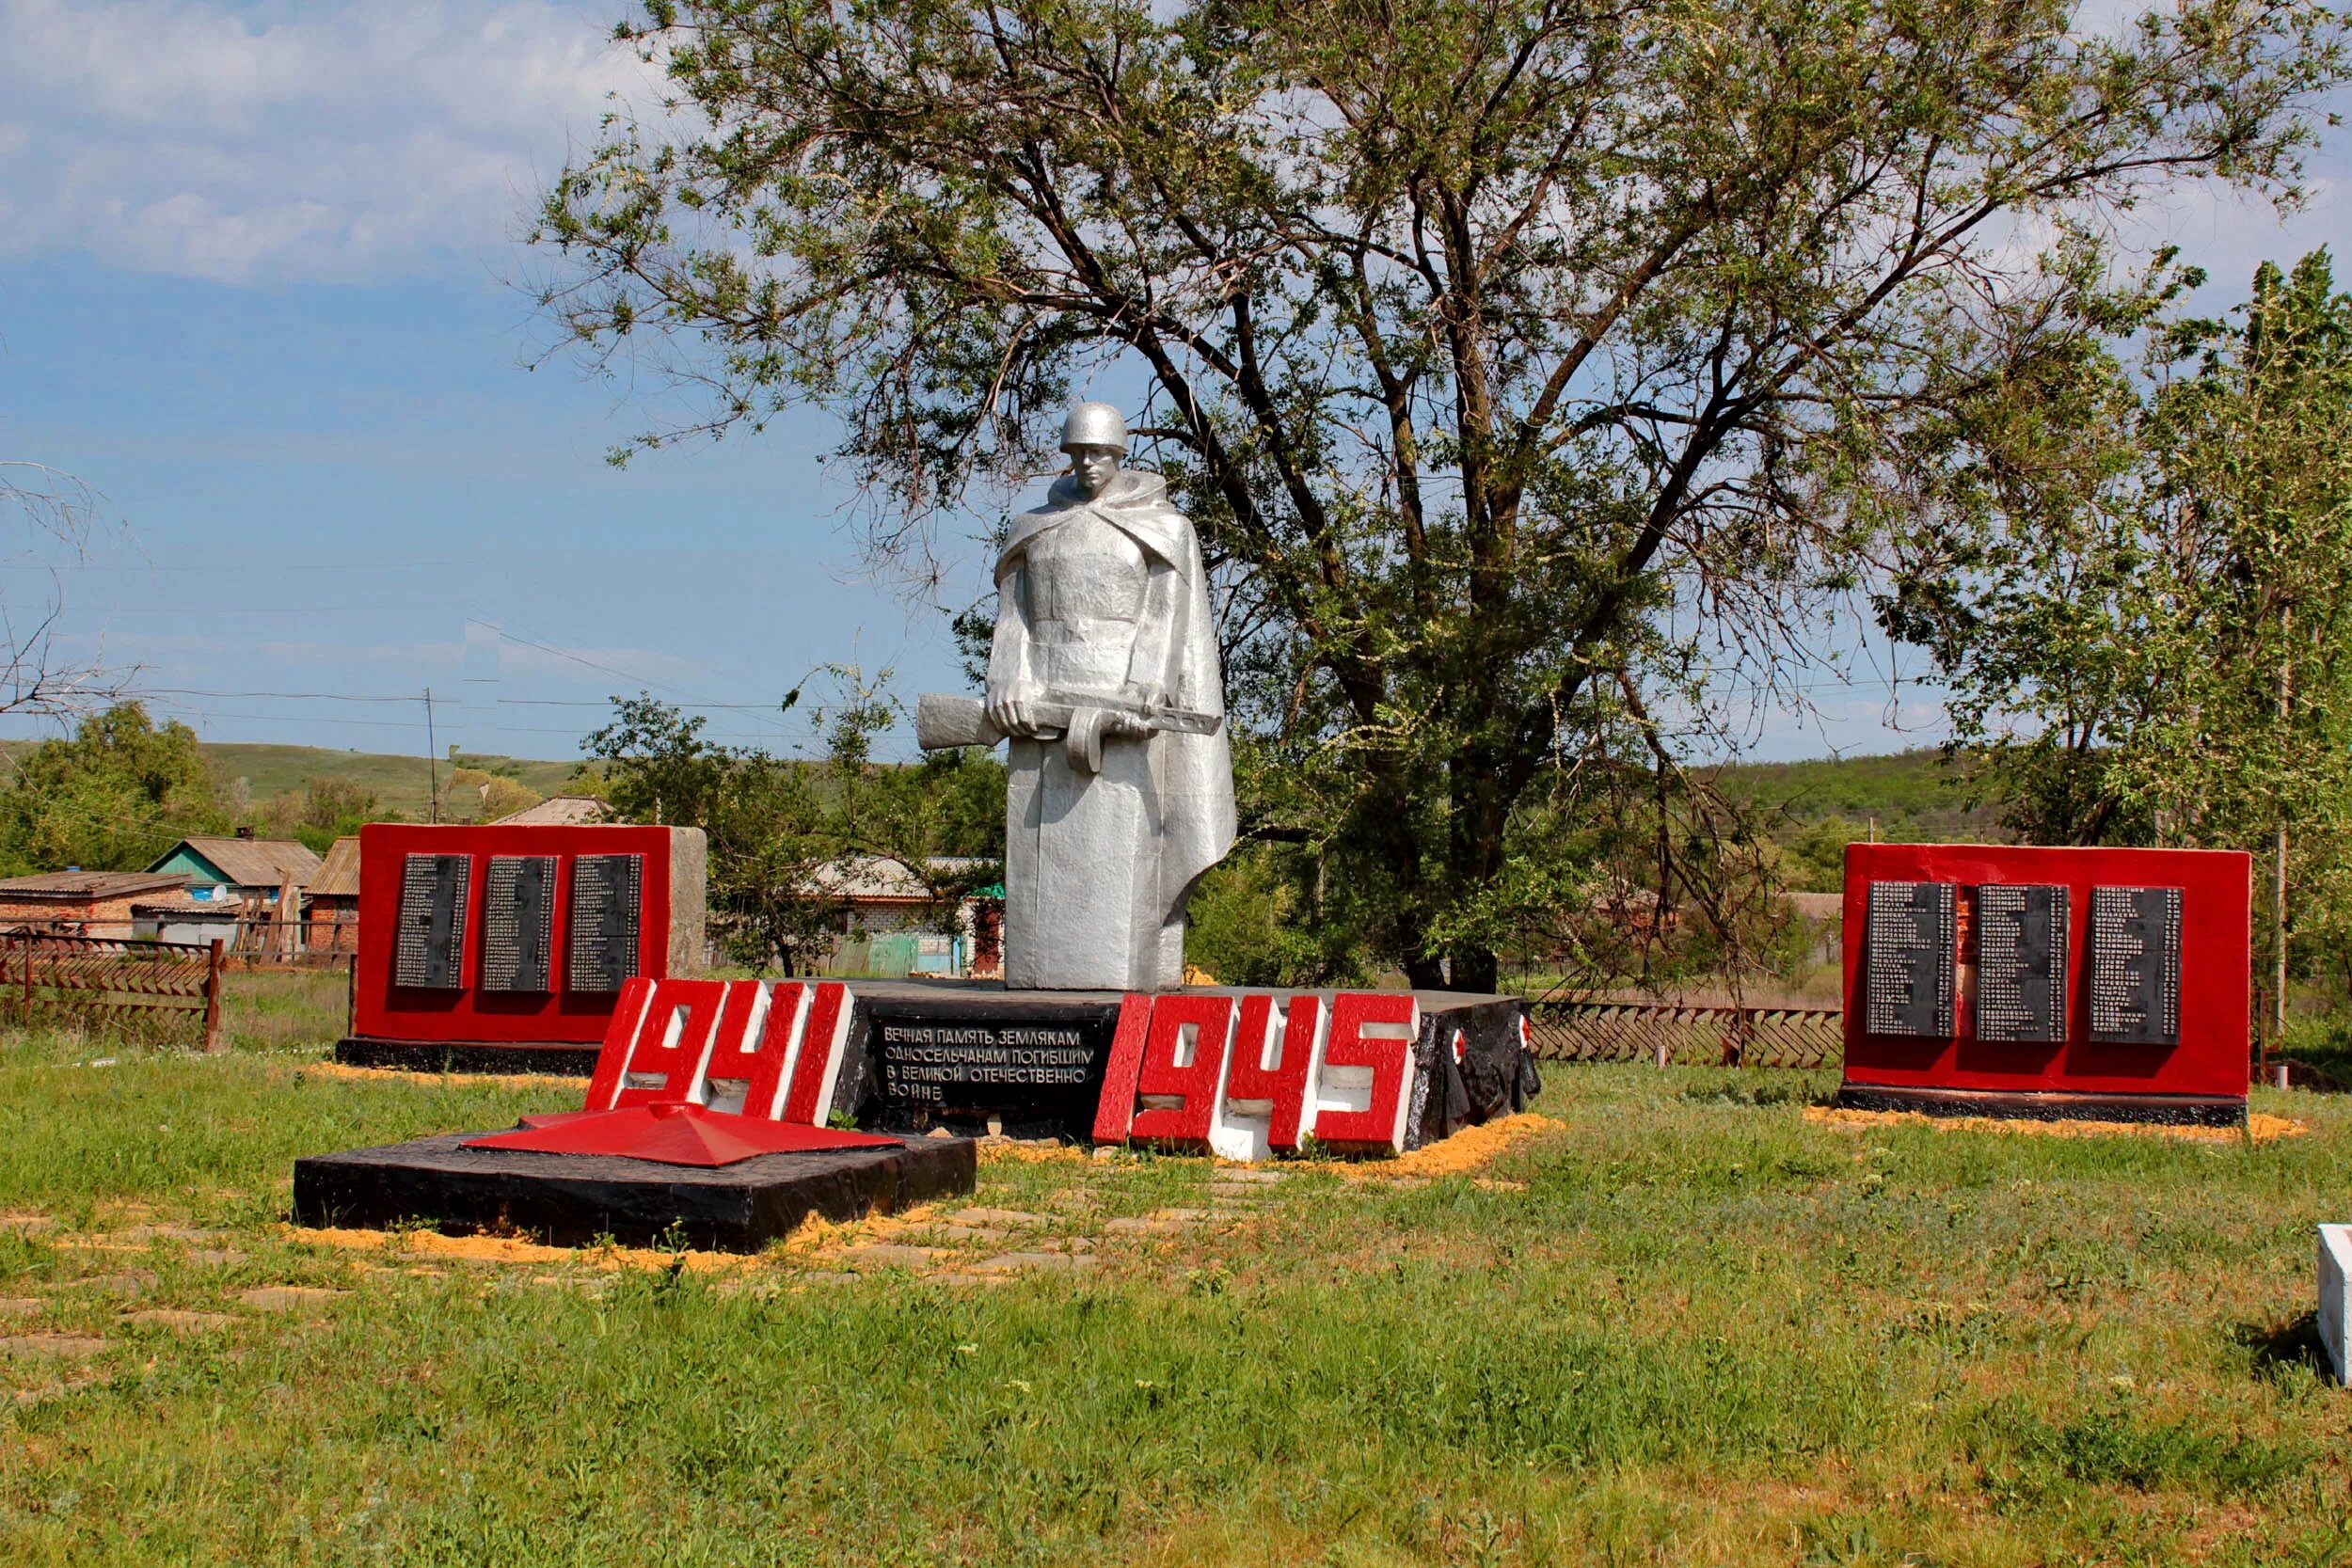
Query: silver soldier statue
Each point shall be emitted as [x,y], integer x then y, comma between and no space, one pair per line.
[1105,678]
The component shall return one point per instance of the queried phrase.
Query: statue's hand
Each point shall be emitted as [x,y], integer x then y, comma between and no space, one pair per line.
[1010,712]
[1146,695]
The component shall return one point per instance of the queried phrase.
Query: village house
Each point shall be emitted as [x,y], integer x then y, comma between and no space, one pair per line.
[330,909]
[887,907]
[82,903]
[254,870]
[187,916]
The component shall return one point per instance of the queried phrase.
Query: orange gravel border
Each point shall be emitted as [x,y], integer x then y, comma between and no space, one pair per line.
[401,1075]
[1469,1149]
[2259,1128]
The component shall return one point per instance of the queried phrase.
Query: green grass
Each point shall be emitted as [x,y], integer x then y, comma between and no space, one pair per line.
[1688,1326]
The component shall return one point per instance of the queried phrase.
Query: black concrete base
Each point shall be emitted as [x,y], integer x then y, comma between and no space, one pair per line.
[2171,1110]
[559,1060]
[961,1053]
[573,1199]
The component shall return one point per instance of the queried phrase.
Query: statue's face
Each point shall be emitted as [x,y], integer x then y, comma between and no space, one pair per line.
[1095,468]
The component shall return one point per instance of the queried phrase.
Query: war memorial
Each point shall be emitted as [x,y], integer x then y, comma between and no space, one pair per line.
[720,1110]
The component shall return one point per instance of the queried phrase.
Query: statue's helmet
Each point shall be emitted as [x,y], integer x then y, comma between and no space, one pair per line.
[1093,424]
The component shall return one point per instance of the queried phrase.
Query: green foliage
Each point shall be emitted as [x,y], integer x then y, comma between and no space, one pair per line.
[2146,620]
[112,798]
[1253,921]
[1525,366]
[782,829]
[322,811]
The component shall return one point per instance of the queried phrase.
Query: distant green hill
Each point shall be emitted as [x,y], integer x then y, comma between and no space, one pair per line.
[1817,808]
[401,783]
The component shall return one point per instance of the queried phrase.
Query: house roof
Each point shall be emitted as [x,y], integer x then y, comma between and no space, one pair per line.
[337,875]
[1819,906]
[68,887]
[878,879]
[186,905]
[559,811]
[253,861]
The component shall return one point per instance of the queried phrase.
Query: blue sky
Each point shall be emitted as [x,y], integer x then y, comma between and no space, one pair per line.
[257,286]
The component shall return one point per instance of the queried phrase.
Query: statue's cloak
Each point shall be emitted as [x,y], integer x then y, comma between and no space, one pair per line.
[1195,772]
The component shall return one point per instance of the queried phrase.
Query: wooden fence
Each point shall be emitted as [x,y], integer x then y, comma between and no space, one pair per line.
[1611,1029]
[169,986]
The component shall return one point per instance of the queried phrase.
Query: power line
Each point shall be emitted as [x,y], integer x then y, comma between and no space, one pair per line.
[443,701]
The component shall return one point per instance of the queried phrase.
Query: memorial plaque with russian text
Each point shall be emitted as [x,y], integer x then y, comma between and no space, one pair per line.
[603,922]
[2135,965]
[431,937]
[517,920]
[2021,962]
[1030,1066]
[1908,978]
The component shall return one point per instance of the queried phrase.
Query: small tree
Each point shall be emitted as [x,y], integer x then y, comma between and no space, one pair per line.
[776,825]
[2149,624]
[112,798]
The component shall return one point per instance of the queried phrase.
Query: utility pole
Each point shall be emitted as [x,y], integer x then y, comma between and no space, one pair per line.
[431,761]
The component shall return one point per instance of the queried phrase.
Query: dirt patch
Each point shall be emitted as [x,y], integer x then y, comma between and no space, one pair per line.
[2259,1127]
[50,1346]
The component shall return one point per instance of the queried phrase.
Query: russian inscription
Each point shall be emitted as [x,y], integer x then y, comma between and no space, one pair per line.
[1909,975]
[940,1064]
[2135,965]
[517,922]
[602,920]
[431,929]
[2021,961]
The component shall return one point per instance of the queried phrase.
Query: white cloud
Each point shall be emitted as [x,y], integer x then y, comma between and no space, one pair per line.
[285,141]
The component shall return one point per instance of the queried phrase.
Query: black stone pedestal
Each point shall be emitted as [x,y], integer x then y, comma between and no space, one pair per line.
[2168,1110]
[572,1199]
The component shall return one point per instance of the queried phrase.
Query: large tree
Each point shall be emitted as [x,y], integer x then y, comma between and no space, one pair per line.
[1528,365]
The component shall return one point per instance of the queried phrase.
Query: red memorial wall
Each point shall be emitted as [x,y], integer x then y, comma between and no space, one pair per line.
[2019,981]
[515,937]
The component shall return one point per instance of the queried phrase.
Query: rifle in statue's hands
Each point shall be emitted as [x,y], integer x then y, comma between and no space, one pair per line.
[942,721]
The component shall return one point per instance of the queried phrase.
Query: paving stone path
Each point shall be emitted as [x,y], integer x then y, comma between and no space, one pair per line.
[981,1246]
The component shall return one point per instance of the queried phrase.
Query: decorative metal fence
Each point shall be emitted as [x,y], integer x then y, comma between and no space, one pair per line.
[1607,1029]
[165,987]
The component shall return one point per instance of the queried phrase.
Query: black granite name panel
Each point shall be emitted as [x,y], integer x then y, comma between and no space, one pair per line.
[430,942]
[517,922]
[2021,962]
[1908,974]
[603,922]
[2135,965]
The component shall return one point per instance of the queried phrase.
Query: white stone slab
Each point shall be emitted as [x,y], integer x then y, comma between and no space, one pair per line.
[2335,1296]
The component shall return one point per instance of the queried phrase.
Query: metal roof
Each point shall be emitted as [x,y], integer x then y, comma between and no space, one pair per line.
[337,875]
[70,886]
[877,878]
[559,811]
[253,861]
[189,904]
